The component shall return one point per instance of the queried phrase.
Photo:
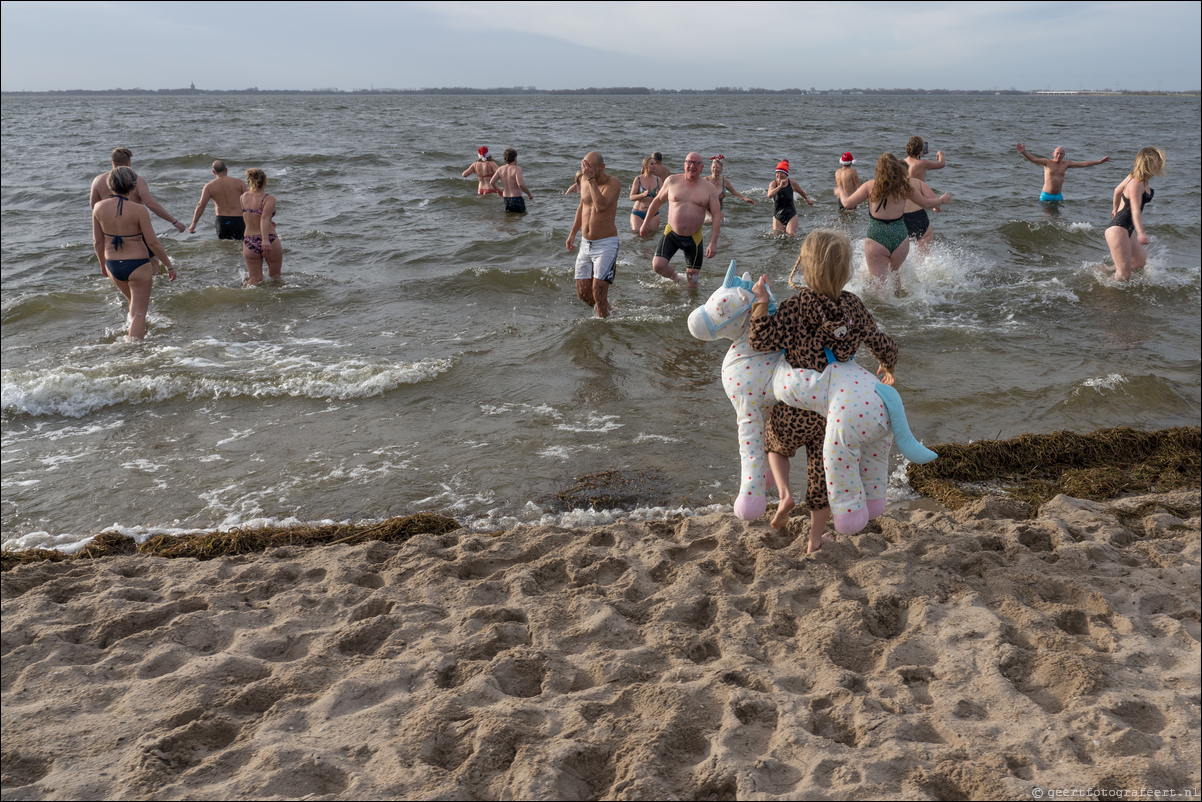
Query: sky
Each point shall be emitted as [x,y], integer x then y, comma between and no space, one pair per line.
[568,45]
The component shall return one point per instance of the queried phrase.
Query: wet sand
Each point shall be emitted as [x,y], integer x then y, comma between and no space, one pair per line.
[978,654]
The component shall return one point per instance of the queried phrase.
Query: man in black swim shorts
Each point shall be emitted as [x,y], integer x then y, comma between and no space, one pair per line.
[226,192]
[690,199]
[509,177]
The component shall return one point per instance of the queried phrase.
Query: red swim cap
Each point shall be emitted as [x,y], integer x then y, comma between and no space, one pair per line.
[783,167]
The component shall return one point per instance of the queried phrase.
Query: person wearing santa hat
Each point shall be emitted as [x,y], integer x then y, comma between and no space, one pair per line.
[847,180]
[483,168]
[781,190]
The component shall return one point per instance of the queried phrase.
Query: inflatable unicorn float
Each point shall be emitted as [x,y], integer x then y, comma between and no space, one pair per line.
[863,416]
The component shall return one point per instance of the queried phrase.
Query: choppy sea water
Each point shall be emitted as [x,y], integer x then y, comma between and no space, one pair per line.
[426,351]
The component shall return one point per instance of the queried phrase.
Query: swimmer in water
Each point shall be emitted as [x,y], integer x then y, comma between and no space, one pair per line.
[484,168]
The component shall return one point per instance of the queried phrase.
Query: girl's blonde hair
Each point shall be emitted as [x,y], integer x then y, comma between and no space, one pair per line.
[256,179]
[647,162]
[892,180]
[825,262]
[1148,162]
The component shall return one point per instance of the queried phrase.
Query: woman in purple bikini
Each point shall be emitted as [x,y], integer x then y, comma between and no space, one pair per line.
[260,244]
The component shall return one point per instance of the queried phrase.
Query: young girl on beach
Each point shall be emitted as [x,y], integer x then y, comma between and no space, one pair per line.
[1125,235]
[822,315]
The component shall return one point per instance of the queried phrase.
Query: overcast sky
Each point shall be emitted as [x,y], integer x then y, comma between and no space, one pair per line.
[702,45]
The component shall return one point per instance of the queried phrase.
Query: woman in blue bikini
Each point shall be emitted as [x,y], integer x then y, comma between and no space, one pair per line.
[124,241]
[887,243]
[642,192]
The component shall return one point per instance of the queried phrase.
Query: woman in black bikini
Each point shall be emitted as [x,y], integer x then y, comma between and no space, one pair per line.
[642,192]
[260,243]
[124,241]
[1125,235]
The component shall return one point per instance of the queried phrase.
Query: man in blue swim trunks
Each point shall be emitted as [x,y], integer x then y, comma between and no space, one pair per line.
[1053,172]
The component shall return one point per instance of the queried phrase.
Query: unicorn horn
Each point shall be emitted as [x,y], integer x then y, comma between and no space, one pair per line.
[731,276]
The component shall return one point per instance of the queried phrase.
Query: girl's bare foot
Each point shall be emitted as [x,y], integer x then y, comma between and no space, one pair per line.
[814,546]
[782,513]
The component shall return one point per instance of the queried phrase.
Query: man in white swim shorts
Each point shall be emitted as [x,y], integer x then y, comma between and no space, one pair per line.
[598,257]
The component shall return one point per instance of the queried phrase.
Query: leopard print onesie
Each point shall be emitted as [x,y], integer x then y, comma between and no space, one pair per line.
[803,326]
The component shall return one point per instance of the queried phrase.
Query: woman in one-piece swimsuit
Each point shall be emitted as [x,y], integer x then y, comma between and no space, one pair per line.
[644,189]
[887,245]
[1126,214]
[124,241]
[781,191]
[258,211]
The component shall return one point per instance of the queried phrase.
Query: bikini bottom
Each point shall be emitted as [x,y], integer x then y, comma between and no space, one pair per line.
[122,269]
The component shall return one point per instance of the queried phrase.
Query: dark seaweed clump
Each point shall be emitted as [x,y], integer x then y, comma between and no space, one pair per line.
[1099,466]
[614,490]
[241,541]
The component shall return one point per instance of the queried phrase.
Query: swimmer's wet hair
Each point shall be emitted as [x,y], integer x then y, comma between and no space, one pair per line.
[1148,162]
[121,156]
[510,155]
[219,166]
[825,261]
[122,180]
[891,181]
[914,146]
[256,179]
[659,157]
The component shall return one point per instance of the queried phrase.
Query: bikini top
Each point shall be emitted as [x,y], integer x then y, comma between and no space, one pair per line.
[644,189]
[118,240]
[259,211]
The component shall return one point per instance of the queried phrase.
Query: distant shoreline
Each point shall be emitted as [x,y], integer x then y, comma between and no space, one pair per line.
[620,90]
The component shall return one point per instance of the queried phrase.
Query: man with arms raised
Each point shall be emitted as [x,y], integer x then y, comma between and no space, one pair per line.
[226,192]
[1053,172]
[512,185]
[598,258]
[690,199]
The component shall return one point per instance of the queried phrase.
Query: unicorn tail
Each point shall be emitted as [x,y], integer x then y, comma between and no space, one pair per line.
[910,448]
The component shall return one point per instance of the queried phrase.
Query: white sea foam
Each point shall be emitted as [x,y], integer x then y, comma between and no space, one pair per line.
[242,370]
[595,424]
[648,438]
[1080,226]
[1101,383]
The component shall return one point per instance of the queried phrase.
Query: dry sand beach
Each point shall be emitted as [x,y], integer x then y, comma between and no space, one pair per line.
[976,654]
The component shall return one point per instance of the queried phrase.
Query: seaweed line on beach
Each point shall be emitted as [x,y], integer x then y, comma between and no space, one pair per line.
[210,545]
[1035,468]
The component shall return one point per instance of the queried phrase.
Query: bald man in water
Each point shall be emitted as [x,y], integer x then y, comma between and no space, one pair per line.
[596,265]
[1053,172]
[691,198]
[226,192]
